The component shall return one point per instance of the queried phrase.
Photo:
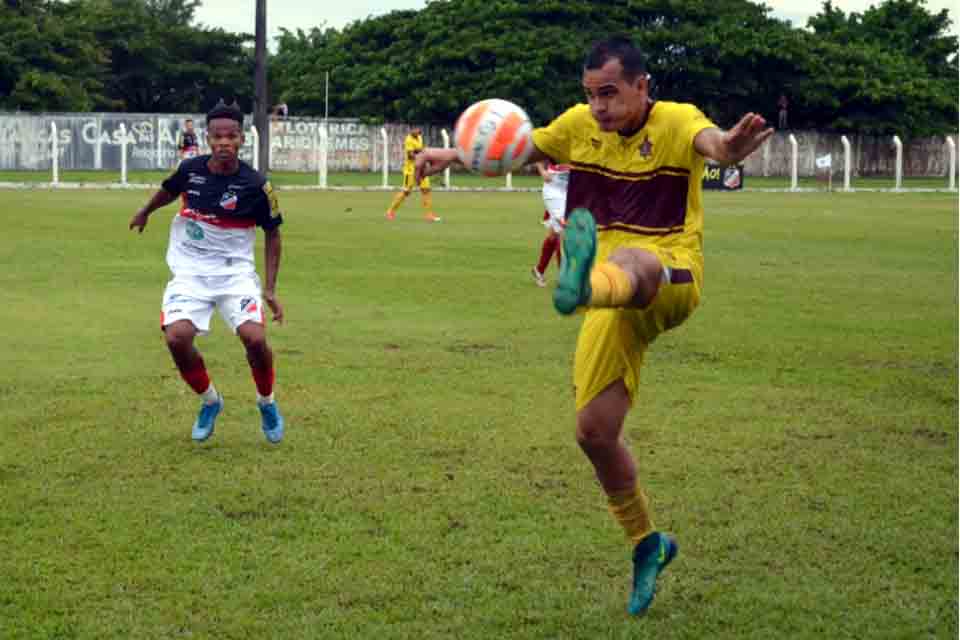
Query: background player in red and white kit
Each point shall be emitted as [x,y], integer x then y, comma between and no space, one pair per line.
[187,142]
[556,177]
[211,257]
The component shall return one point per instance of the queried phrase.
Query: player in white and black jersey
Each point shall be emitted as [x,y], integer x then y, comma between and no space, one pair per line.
[211,256]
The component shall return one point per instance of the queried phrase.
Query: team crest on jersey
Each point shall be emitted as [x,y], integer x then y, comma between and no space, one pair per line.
[228,200]
[646,149]
[248,305]
[595,142]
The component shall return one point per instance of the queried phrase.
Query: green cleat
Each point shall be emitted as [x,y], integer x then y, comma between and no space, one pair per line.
[579,251]
[650,557]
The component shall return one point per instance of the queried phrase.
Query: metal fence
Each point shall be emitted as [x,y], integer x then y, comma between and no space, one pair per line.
[97,141]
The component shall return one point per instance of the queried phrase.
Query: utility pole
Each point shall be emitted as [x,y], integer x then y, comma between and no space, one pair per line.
[261,99]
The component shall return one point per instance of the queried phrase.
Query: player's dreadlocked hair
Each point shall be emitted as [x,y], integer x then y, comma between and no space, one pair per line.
[224,110]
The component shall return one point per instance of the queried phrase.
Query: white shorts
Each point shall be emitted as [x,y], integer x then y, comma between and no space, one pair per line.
[193,298]
[555,202]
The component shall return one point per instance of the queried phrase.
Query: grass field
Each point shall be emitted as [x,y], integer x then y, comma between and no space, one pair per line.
[798,434]
[459,180]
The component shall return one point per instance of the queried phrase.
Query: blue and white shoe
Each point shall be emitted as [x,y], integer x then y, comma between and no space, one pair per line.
[271,422]
[650,557]
[207,420]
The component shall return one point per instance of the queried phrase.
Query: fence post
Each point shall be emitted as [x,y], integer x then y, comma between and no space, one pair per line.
[55,153]
[123,154]
[255,139]
[766,157]
[898,170]
[846,162]
[156,131]
[386,155]
[446,145]
[509,181]
[793,161]
[321,141]
[952,150]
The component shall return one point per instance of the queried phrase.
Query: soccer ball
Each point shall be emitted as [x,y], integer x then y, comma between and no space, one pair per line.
[493,137]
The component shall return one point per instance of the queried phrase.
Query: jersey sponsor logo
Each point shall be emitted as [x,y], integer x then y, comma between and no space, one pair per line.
[195,179]
[228,200]
[194,230]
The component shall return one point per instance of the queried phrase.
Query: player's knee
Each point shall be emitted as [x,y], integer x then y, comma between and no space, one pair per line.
[594,434]
[179,336]
[253,337]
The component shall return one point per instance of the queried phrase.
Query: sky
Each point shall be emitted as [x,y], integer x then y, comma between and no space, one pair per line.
[239,15]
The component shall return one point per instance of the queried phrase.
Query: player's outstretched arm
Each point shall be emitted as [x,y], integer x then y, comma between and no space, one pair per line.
[433,160]
[730,147]
[160,199]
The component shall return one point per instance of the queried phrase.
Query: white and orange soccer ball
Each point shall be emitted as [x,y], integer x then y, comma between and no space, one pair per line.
[493,137]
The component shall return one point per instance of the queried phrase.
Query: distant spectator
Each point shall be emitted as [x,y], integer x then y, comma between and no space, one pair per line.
[782,105]
[281,110]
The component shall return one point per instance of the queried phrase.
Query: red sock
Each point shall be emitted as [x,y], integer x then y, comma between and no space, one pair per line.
[550,244]
[264,379]
[197,377]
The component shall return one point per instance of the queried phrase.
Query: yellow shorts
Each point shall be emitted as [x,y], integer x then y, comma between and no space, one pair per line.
[409,180]
[613,341]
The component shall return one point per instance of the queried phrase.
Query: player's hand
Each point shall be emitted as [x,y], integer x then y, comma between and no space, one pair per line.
[275,306]
[139,221]
[433,160]
[745,137]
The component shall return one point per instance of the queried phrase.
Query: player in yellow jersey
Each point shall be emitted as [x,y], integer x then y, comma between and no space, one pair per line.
[413,145]
[632,256]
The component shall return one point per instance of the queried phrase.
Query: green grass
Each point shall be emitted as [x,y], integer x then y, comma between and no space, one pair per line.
[798,434]
[458,179]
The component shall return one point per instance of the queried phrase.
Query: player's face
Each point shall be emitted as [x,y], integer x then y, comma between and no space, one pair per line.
[225,139]
[189,125]
[615,103]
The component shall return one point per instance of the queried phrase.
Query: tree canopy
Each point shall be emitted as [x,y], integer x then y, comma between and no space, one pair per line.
[890,69]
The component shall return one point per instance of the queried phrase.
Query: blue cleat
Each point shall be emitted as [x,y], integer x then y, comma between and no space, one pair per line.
[650,557]
[579,251]
[272,422]
[207,420]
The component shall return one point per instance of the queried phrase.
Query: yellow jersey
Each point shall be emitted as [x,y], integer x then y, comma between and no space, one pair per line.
[411,144]
[647,185]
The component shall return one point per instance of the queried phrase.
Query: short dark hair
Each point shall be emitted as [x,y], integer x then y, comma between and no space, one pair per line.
[622,48]
[224,110]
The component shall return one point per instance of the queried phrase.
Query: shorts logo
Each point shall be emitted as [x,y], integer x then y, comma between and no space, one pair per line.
[194,231]
[228,200]
[248,305]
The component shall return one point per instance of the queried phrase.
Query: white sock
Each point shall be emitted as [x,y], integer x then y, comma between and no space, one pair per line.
[265,399]
[210,396]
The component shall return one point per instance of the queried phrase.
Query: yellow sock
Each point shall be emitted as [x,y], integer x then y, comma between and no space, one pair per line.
[427,197]
[397,201]
[610,286]
[632,511]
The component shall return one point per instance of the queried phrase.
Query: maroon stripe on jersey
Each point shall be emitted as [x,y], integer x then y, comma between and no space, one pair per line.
[217,221]
[660,203]
[629,174]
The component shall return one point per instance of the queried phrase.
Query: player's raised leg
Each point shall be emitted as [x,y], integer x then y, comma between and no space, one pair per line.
[630,278]
[179,337]
[260,356]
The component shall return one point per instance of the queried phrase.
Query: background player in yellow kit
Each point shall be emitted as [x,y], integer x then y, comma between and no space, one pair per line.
[633,258]
[413,145]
